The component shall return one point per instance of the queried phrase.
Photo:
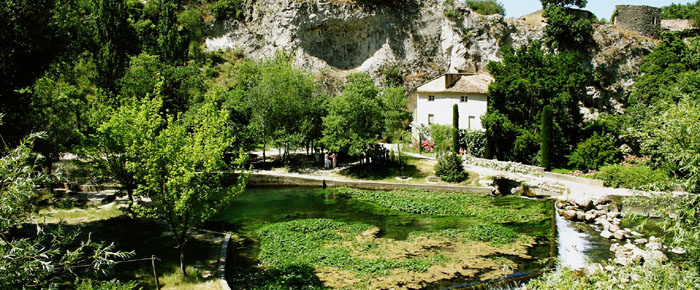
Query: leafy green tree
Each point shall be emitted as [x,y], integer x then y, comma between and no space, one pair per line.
[180,86]
[673,136]
[441,135]
[396,115]
[562,3]
[42,259]
[450,168]
[110,148]
[594,152]
[182,169]
[354,122]
[525,82]
[170,39]
[662,68]
[223,9]
[546,138]
[682,11]
[566,29]
[455,128]
[486,7]
[31,42]
[113,35]
[282,104]
[57,112]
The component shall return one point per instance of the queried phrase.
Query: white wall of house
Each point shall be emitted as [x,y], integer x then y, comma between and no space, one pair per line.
[470,112]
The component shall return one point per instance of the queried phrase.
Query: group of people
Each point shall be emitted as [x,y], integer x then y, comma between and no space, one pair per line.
[330,161]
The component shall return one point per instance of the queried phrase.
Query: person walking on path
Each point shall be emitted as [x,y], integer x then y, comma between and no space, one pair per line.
[335,158]
[325,161]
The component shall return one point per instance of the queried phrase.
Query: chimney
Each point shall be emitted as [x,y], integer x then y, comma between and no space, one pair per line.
[451,79]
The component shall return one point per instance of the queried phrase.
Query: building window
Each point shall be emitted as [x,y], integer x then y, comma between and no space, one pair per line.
[431,98]
[471,121]
[430,118]
[463,99]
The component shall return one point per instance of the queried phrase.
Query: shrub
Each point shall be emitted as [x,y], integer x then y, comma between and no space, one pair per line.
[486,7]
[637,176]
[441,135]
[450,168]
[451,12]
[474,142]
[227,9]
[594,152]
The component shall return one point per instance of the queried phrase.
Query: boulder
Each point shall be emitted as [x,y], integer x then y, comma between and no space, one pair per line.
[569,214]
[614,228]
[627,255]
[614,247]
[653,245]
[613,214]
[592,269]
[678,250]
[606,234]
[636,234]
[620,235]
[583,203]
[630,247]
[590,216]
[654,257]
[580,215]
[640,241]
[604,223]
[603,207]
[610,268]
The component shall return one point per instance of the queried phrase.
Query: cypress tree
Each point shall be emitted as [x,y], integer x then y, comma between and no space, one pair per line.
[546,138]
[455,129]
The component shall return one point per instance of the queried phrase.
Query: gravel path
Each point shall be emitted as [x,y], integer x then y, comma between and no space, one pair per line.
[558,188]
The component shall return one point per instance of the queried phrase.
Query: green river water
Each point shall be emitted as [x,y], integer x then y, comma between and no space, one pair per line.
[259,207]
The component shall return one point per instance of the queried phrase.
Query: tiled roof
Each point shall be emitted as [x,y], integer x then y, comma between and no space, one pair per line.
[467,83]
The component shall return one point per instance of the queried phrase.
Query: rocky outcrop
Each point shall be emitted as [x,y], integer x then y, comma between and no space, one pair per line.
[334,38]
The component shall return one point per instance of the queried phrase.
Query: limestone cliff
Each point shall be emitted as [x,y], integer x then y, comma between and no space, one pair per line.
[337,37]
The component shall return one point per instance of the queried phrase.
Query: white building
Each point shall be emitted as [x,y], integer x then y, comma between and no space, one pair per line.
[436,98]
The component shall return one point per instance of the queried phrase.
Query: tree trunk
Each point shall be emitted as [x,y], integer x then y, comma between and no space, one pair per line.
[264,149]
[181,247]
[130,192]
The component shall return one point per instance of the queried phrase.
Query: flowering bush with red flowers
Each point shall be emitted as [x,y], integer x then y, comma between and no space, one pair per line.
[427,145]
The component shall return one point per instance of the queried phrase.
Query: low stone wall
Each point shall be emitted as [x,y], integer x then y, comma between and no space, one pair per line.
[269,179]
[504,165]
[566,177]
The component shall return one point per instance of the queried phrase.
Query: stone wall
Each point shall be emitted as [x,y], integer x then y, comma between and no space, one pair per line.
[676,24]
[645,20]
[271,179]
[507,166]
